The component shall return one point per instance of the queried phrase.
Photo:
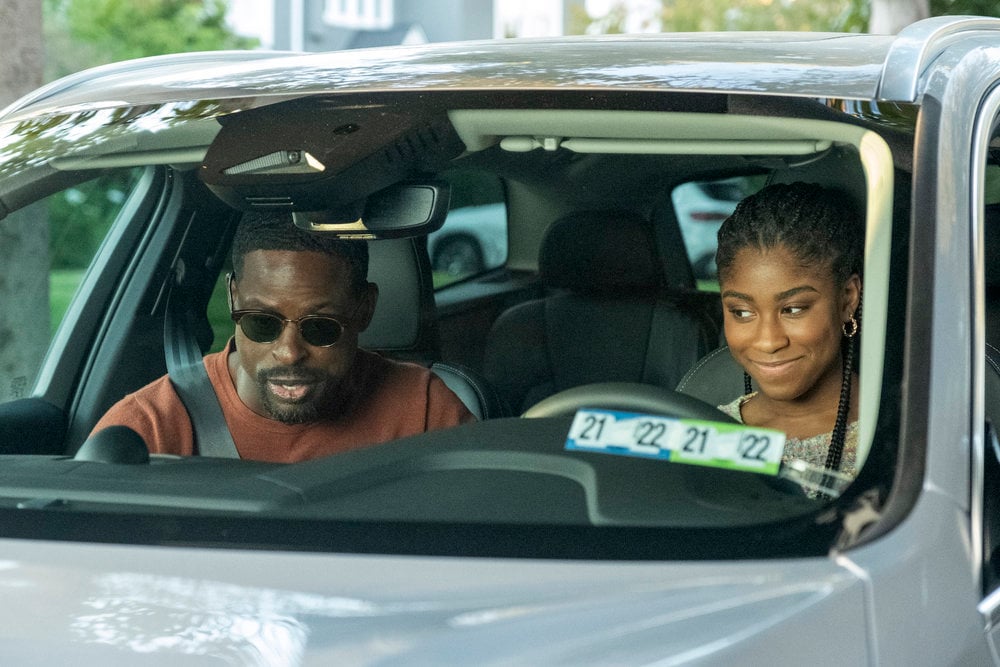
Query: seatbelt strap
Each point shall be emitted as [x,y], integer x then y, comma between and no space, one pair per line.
[189,377]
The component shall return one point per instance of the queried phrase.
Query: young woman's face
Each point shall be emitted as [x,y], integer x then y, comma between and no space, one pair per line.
[783,321]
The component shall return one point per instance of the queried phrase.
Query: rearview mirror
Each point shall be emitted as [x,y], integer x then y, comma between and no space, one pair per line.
[401,210]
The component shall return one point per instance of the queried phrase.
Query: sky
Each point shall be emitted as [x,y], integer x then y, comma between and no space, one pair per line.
[254,18]
[530,18]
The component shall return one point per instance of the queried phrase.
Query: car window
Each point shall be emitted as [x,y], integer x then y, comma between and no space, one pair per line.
[217,310]
[473,238]
[990,473]
[991,238]
[701,207]
[49,245]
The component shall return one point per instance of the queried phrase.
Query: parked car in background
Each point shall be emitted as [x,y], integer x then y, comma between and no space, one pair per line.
[472,240]
[701,208]
[532,536]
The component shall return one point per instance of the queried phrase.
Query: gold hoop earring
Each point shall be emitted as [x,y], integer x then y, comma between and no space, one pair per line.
[850,328]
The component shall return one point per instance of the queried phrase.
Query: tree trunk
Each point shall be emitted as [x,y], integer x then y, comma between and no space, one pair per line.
[24,263]
[890,16]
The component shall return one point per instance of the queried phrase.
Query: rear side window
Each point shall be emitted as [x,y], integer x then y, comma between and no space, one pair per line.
[473,239]
[701,207]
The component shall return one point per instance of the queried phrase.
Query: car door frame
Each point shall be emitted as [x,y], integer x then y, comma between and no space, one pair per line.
[963,91]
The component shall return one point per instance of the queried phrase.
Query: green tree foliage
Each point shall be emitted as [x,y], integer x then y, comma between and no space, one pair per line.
[80,217]
[85,33]
[722,15]
[613,23]
[796,15]
[972,7]
[691,15]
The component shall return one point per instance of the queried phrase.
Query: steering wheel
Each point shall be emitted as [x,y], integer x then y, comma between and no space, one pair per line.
[628,397]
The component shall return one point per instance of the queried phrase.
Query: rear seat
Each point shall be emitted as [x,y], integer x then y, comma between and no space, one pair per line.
[611,315]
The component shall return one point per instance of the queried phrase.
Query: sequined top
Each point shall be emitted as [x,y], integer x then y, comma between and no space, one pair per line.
[813,449]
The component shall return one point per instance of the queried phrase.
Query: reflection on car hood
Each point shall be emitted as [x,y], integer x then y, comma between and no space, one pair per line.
[110,604]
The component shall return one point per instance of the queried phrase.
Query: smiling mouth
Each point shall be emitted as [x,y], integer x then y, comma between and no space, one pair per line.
[773,368]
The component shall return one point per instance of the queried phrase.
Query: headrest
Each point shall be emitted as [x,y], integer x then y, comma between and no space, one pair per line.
[715,379]
[404,296]
[601,251]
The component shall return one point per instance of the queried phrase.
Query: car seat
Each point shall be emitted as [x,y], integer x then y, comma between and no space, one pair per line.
[611,315]
[404,324]
[716,378]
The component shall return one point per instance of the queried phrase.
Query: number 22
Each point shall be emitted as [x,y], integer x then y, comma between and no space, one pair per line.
[753,447]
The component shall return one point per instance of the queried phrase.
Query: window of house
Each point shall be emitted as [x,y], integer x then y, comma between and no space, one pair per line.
[359,14]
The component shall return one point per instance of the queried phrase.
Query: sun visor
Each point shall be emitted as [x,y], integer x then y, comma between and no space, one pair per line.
[310,155]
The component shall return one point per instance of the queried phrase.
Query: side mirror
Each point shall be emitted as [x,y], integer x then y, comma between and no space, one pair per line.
[402,210]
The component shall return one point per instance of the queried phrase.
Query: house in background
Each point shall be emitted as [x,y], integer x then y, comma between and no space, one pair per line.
[328,25]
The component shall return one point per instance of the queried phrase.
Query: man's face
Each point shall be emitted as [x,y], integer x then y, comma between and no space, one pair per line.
[288,379]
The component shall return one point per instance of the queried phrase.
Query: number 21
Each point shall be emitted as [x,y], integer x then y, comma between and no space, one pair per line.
[696,440]
[592,427]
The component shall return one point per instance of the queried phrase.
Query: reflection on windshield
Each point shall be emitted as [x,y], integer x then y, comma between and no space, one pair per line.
[33,143]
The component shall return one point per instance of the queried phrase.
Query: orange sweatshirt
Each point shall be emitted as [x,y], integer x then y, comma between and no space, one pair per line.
[399,399]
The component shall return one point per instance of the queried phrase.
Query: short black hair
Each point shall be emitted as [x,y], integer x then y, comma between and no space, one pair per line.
[818,224]
[270,230]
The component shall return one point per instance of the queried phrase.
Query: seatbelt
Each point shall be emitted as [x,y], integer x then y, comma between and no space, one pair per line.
[189,377]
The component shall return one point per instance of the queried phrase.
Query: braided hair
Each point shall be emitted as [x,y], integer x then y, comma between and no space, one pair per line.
[820,226]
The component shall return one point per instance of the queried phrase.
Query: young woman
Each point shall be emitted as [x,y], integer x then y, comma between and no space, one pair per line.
[790,264]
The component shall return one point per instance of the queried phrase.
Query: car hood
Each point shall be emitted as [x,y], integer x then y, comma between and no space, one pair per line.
[112,604]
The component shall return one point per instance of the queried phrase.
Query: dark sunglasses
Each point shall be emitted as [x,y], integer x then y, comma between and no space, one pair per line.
[262,326]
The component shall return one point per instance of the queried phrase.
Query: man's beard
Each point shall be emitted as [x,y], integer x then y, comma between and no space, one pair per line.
[316,405]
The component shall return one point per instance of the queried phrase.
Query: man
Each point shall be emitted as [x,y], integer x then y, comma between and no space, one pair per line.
[292,382]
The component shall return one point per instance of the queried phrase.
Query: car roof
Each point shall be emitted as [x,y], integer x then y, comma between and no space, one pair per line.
[847,66]
[808,64]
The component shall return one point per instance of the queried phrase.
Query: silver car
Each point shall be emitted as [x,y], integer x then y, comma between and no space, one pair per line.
[471,240]
[701,208]
[504,541]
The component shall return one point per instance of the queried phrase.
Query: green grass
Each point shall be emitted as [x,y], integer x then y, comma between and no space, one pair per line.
[708,285]
[218,316]
[441,278]
[62,286]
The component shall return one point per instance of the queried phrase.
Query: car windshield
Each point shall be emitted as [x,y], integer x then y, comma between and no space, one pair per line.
[573,277]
